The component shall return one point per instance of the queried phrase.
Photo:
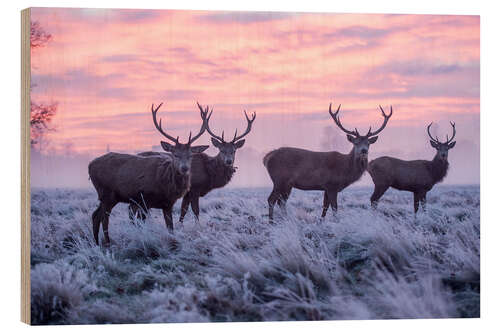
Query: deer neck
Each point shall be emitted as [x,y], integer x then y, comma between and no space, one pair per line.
[353,168]
[181,182]
[357,165]
[438,169]
[219,172]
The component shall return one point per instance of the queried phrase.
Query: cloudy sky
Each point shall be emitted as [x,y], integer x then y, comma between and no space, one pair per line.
[106,67]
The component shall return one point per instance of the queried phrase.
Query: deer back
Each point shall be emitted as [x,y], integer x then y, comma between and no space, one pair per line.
[199,172]
[415,175]
[132,177]
[310,170]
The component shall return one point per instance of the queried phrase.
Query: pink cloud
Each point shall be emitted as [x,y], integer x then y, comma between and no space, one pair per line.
[106,67]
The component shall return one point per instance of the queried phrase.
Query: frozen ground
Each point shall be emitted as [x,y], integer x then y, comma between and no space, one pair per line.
[234,266]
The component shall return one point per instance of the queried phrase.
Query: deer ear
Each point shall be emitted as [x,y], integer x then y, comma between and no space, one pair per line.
[215,142]
[373,139]
[239,144]
[433,144]
[451,145]
[198,149]
[167,146]
[350,138]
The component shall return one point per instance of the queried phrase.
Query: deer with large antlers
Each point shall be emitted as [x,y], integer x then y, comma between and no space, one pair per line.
[325,171]
[207,172]
[415,176]
[149,182]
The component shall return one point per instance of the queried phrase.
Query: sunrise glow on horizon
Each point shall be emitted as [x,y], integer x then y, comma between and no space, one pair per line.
[105,67]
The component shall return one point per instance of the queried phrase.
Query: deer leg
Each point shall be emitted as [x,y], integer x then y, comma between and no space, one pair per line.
[96,222]
[283,198]
[332,196]
[416,200]
[273,197]
[377,194]
[107,208]
[167,215]
[326,204]
[423,201]
[195,206]
[184,207]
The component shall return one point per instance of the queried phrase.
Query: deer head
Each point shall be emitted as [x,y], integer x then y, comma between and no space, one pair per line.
[227,150]
[182,152]
[360,142]
[442,147]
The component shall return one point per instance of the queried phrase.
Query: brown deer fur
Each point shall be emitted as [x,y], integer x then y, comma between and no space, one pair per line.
[337,171]
[417,176]
[326,171]
[207,172]
[148,181]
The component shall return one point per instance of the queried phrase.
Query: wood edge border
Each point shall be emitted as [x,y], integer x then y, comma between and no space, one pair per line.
[25,166]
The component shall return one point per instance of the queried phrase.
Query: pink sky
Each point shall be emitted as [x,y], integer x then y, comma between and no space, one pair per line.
[106,67]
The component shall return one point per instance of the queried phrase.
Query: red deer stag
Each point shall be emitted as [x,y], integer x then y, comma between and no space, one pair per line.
[207,172]
[415,176]
[325,171]
[151,182]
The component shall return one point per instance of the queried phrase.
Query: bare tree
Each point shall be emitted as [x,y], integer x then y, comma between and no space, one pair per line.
[326,171]
[417,176]
[41,113]
[41,117]
[150,182]
[38,36]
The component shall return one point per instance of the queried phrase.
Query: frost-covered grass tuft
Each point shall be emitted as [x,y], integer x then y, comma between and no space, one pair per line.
[56,289]
[235,266]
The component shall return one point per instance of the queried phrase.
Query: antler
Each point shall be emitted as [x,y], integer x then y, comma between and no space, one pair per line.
[447,140]
[236,137]
[221,139]
[249,128]
[336,119]
[204,116]
[386,119]
[429,133]
[454,132]
[158,124]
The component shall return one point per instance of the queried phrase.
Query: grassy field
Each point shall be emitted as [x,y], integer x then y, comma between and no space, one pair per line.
[234,266]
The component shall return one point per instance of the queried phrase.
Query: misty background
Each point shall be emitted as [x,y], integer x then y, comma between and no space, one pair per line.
[69,168]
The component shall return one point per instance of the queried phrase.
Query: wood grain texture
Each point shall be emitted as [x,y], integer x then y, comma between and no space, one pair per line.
[25,165]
